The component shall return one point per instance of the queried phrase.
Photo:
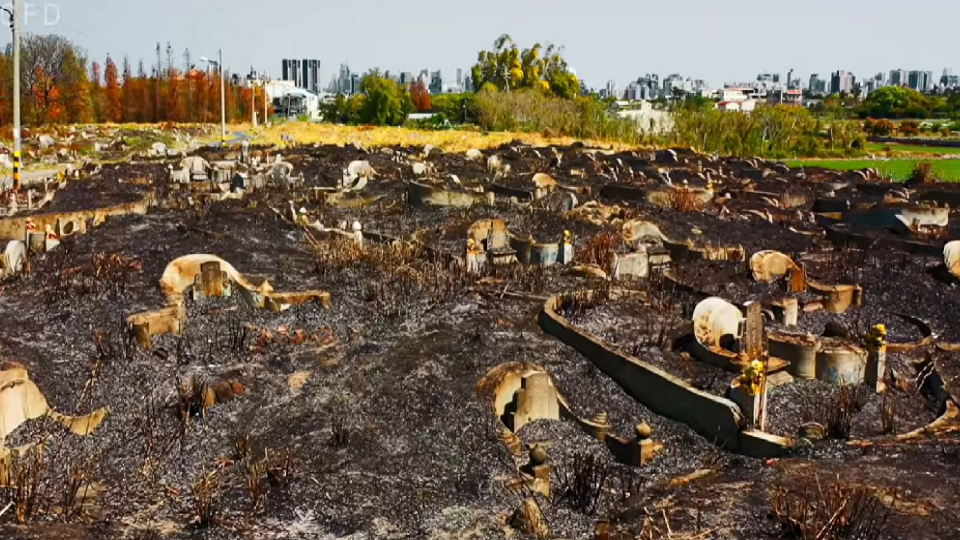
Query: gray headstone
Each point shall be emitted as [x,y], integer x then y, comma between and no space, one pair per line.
[667,156]
[561,201]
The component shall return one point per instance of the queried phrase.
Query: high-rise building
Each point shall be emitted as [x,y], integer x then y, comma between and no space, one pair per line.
[291,71]
[921,81]
[345,80]
[948,80]
[310,75]
[436,82]
[842,82]
[460,78]
[898,77]
[611,90]
[817,86]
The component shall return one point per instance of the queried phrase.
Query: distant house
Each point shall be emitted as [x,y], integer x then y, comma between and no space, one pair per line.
[786,97]
[291,102]
[647,118]
[739,106]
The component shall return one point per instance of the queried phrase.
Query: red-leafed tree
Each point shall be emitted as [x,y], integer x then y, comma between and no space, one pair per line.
[112,92]
[97,99]
[420,96]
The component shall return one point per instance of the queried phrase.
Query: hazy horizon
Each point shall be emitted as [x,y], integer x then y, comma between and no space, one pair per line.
[699,39]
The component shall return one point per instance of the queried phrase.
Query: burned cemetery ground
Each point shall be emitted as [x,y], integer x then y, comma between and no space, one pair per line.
[363,419]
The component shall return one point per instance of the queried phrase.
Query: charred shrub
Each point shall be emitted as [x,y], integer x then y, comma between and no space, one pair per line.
[581,481]
[600,250]
[117,343]
[828,512]
[842,409]
[195,397]
[339,432]
[922,173]
[111,273]
[25,479]
[683,199]
[206,499]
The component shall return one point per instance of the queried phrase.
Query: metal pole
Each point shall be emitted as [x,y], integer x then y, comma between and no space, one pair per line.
[253,102]
[265,107]
[15,27]
[223,104]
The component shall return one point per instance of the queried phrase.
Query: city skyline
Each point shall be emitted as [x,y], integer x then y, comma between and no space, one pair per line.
[599,47]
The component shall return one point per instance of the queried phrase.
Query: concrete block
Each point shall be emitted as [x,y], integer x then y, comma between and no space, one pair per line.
[632,264]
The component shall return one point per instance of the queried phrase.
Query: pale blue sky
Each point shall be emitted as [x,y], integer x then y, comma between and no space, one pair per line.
[718,41]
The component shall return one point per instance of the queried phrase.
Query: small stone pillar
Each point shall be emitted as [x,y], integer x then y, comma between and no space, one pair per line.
[358,232]
[29,199]
[602,421]
[787,310]
[475,257]
[876,358]
[537,471]
[566,249]
[644,447]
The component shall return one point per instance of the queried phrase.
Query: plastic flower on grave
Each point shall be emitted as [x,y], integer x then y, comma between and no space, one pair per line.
[751,380]
[877,336]
[567,237]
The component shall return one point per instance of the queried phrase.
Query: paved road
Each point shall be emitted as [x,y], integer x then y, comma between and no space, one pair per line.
[28,178]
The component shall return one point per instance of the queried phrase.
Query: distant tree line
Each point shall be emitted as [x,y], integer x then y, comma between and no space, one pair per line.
[893,103]
[776,131]
[60,85]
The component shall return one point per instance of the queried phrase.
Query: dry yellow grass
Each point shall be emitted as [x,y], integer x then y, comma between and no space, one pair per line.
[373,137]
[368,136]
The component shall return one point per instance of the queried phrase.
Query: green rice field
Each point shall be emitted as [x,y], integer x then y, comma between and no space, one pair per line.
[900,169]
[909,148]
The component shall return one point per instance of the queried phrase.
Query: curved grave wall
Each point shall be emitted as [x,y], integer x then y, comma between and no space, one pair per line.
[715,418]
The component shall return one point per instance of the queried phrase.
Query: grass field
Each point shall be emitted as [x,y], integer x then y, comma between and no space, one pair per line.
[372,137]
[911,149]
[900,169]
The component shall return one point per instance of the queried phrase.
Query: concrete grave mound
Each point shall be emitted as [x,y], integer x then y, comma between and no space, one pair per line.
[951,257]
[22,401]
[769,265]
[717,323]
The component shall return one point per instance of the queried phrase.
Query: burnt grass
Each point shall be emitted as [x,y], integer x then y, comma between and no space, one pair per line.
[364,416]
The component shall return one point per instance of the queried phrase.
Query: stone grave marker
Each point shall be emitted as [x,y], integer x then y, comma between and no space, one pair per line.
[753,336]
[561,201]
[211,279]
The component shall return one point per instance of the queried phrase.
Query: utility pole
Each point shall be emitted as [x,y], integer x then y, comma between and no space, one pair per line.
[15,30]
[265,100]
[223,104]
